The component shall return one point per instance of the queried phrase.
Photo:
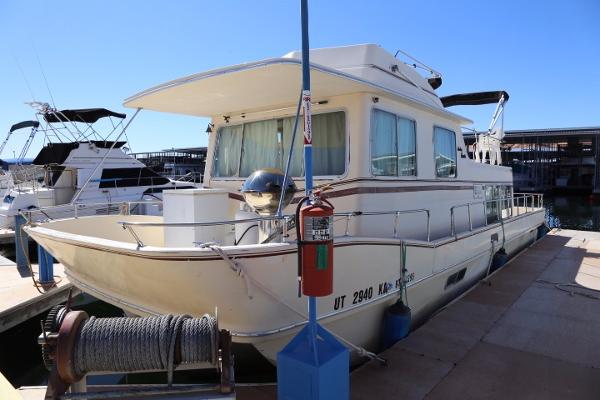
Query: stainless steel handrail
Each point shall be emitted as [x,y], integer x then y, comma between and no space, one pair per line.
[123,206]
[536,203]
[130,224]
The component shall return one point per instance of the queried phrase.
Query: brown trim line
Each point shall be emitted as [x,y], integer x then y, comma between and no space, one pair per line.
[396,189]
[236,196]
[375,190]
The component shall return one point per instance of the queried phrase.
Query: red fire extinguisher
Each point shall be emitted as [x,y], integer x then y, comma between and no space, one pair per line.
[315,246]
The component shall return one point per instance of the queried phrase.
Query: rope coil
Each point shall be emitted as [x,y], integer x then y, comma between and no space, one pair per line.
[141,344]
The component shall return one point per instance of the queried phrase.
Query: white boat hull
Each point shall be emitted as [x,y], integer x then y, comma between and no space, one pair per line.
[261,305]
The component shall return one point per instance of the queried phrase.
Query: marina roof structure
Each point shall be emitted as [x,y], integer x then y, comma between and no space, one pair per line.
[570,131]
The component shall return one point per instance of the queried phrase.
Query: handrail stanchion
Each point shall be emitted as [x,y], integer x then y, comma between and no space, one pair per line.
[396,218]
[428,226]
[485,221]
[470,222]
[347,231]
[284,229]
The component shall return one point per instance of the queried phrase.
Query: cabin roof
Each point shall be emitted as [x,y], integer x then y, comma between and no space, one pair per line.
[275,83]
[57,153]
[87,115]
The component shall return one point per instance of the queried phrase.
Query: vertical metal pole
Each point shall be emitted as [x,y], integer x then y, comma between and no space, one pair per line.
[306,100]
[21,246]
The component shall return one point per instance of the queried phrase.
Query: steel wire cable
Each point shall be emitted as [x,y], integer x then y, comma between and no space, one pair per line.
[144,343]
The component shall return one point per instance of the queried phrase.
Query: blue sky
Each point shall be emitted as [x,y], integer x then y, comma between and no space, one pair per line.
[546,54]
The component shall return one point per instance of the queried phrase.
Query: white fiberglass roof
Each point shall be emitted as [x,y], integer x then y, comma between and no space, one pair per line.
[276,82]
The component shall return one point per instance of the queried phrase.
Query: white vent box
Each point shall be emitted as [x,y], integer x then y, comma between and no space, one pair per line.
[195,205]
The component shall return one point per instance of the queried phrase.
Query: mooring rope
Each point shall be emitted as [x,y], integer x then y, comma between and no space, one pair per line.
[238,268]
[143,344]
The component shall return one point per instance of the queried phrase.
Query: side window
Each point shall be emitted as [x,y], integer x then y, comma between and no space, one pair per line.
[227,155]
[444,144]
[393,145]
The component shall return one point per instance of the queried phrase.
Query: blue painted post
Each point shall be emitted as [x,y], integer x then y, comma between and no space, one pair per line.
[21,246]
[46,264]
[314,365]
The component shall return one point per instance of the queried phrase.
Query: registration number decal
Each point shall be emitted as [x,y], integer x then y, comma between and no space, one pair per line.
[361,295]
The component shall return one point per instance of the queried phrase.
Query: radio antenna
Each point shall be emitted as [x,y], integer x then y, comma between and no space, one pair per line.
[16,60]
[44,75]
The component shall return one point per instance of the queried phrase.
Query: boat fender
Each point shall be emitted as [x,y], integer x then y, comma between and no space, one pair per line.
[396,323]
[500,258]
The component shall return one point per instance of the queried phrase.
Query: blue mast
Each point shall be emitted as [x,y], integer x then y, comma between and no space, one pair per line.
[314,365]
[306,100]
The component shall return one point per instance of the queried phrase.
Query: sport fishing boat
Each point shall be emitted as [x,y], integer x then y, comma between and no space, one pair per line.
[415,215]
[77,165]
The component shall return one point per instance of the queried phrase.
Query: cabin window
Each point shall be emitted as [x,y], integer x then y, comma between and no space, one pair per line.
[498,202]
[444,143]
[242,149]
[227,156]
[127,177]
[393,145]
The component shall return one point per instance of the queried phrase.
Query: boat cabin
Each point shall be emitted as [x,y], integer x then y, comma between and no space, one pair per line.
[382,139]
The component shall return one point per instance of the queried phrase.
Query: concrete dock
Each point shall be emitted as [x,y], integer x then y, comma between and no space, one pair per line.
[529,334]
[19,298]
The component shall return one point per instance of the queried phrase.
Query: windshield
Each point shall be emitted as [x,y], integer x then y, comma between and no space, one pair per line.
[242,149]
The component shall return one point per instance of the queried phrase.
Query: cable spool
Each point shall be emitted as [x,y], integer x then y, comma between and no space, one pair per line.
[76,344]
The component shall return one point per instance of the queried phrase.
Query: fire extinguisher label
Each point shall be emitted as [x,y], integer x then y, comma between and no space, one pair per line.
[321,260]
[318,228]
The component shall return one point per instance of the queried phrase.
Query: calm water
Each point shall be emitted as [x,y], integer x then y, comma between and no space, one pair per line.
[20,357]
[580,212]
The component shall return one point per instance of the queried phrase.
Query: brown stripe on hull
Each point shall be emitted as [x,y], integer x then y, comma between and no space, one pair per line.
[396,189]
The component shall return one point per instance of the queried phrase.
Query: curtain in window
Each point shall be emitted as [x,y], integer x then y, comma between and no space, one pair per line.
[260,148]
[406,147]
[383,147]
[297,163]
[227,156]
[445,153]
[329,137]
[265,144]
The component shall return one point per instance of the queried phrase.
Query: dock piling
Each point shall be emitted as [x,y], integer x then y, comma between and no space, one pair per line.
[21,246]
[46,265]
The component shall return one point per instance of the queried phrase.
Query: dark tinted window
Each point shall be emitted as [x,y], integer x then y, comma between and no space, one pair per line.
[127,177]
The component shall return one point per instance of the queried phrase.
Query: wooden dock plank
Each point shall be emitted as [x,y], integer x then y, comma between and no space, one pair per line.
[19,298]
